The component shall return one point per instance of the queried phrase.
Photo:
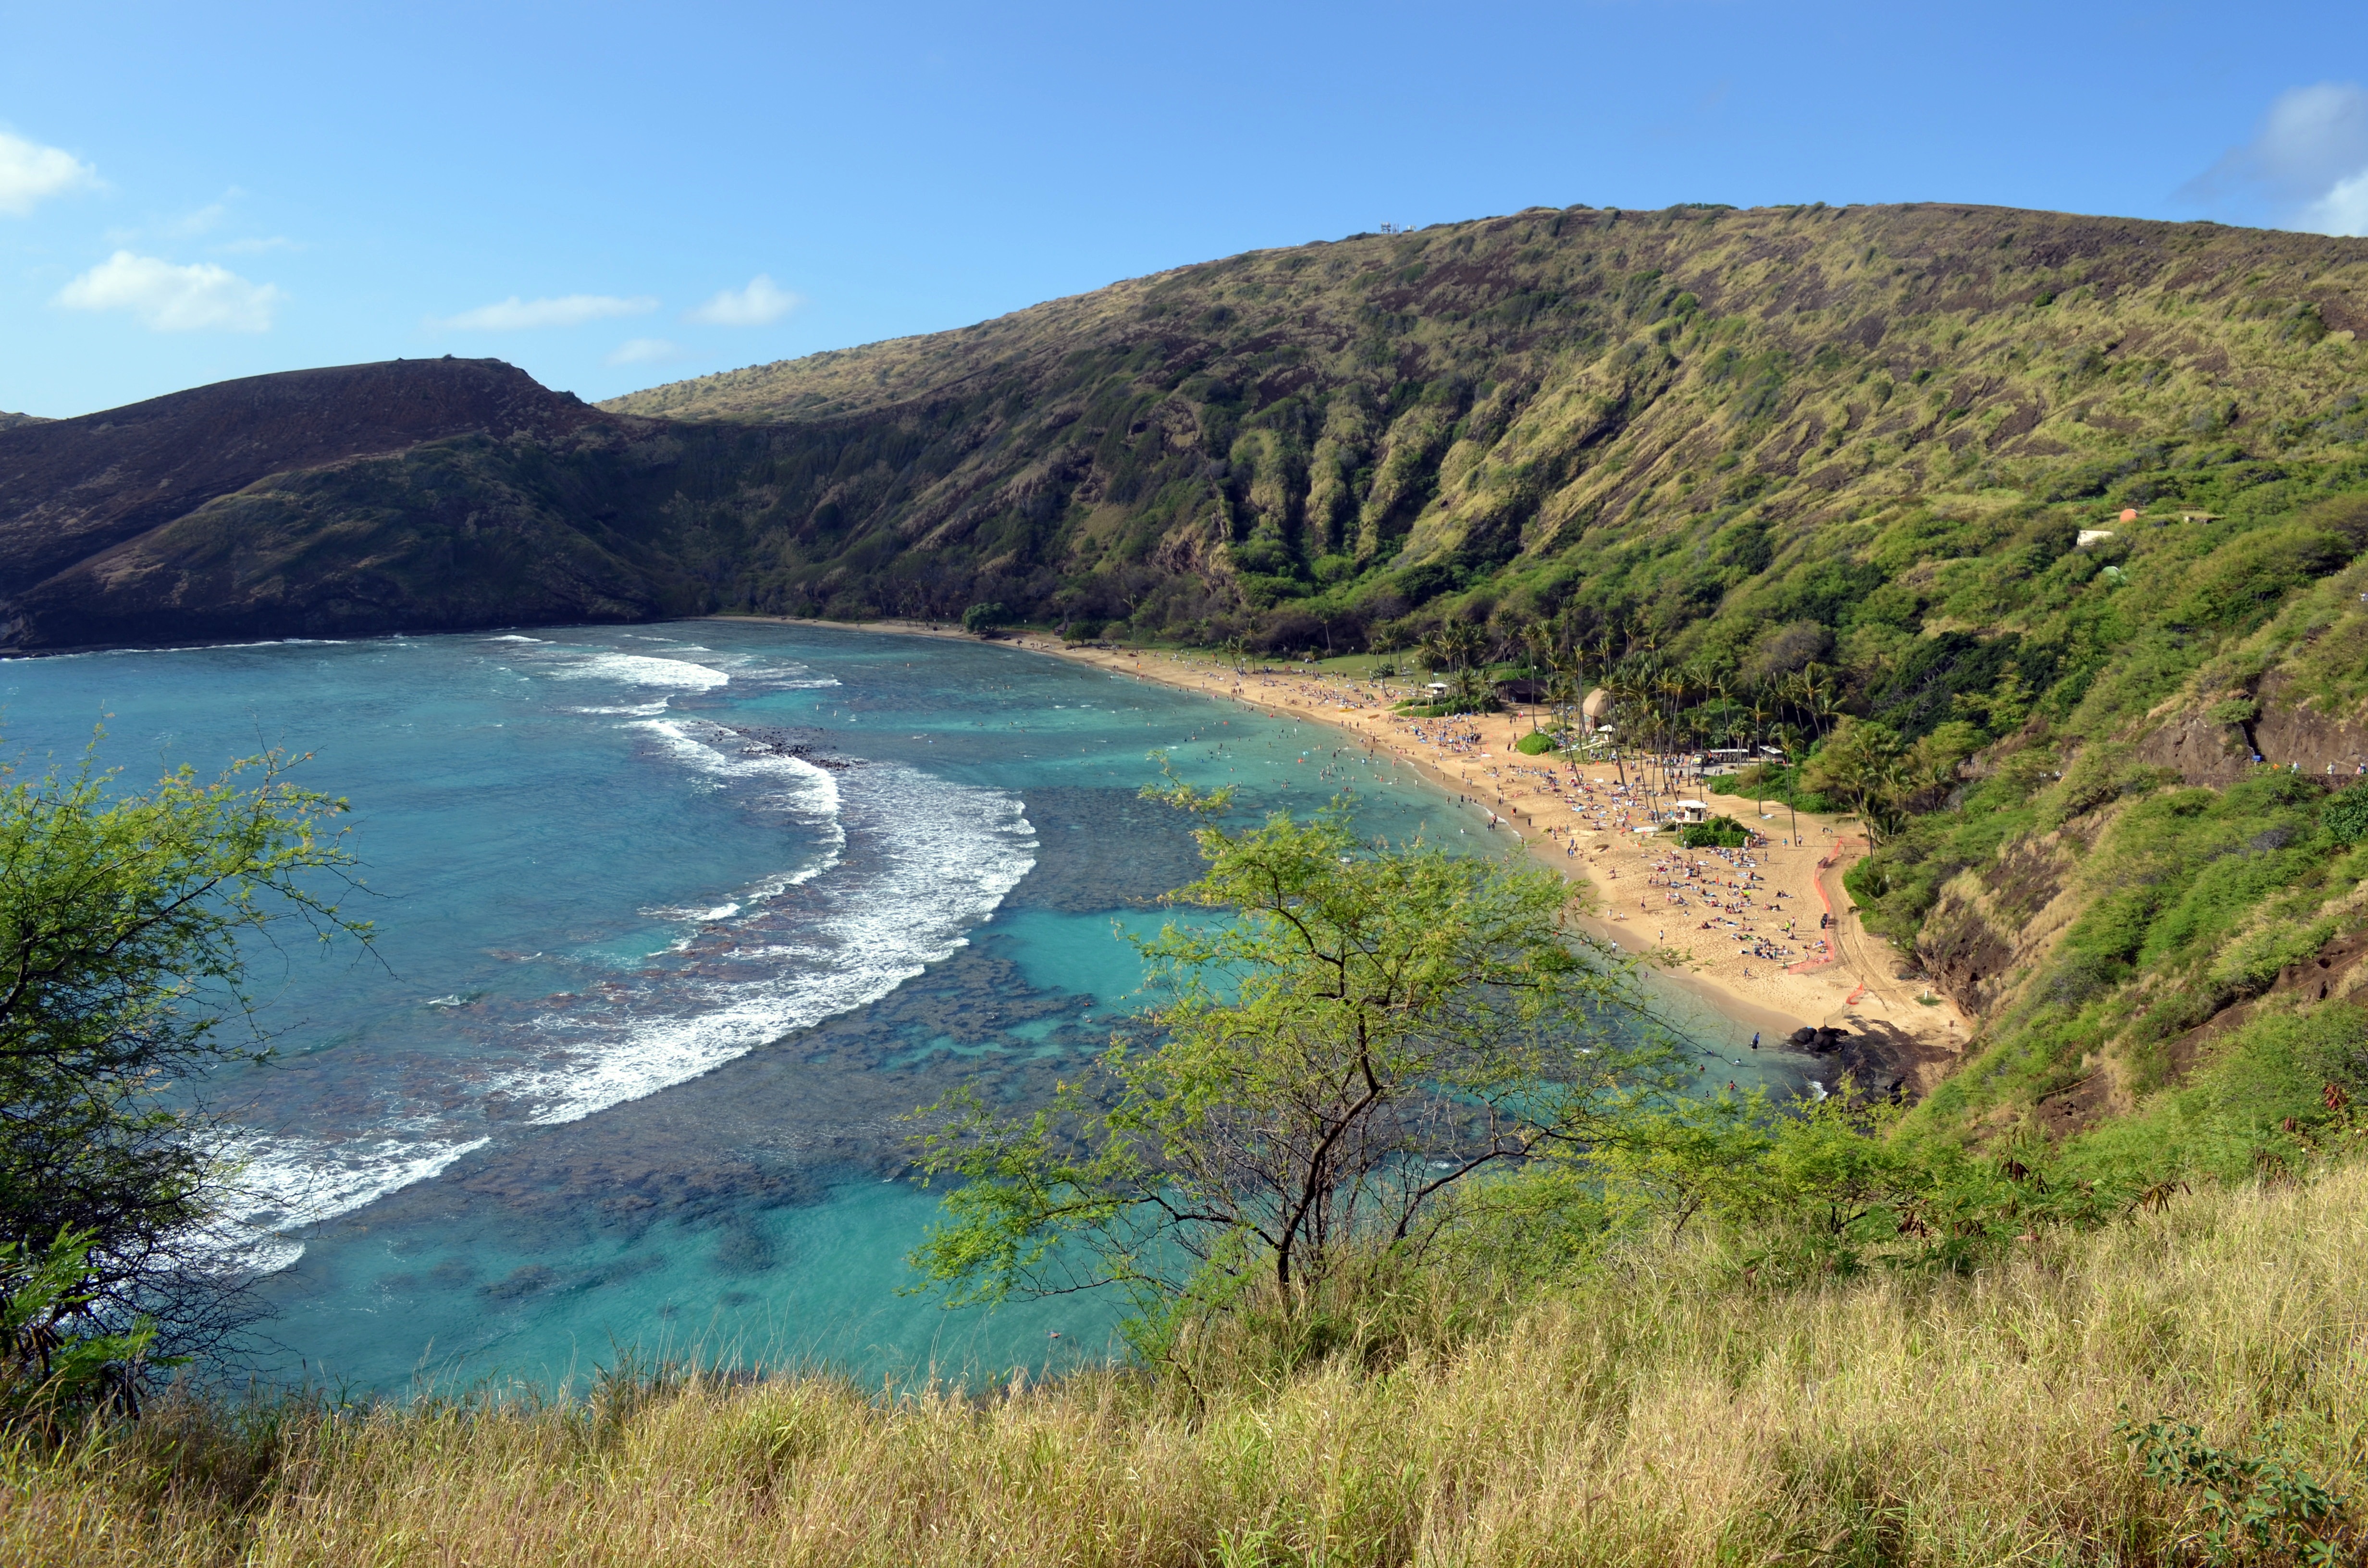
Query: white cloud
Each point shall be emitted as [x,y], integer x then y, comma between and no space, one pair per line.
[515,315]
[644,351]
[30,173]
[759,305]
[2306,164]
[2342,210]
[208,217]
[173,298]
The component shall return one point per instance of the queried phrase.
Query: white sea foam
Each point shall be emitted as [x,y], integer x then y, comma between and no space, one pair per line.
[513,637]
[927,860]
[289,1183]
[902,867]
[638,710]
[642,669]
[795,784]
[756,895]
[785,677]
[142,652]
[707,917]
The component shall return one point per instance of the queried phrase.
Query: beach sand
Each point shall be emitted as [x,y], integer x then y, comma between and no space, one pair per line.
[1626,895]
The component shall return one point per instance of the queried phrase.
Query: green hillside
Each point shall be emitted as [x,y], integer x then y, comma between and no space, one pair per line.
[2033,529]
[1665,416]
[2021,533]
[2035,544]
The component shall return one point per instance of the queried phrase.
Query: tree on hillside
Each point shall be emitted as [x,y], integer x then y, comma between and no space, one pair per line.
[1370,1028]
[1863,762]
[126,926]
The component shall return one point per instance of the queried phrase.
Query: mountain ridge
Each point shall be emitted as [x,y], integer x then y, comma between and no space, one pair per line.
[2029,538]
[1323,446]
[1627,360]
[356,498]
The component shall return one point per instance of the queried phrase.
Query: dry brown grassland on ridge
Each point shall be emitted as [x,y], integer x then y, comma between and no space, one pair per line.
[1662,1413]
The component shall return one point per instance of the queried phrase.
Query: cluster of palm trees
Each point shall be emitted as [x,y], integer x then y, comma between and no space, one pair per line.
[1663,710]
[1459,651]
[1659,703]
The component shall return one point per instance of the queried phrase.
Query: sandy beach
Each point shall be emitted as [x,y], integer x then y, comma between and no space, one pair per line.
[1740,929]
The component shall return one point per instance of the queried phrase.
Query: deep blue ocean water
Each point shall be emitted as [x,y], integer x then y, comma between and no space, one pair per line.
[675,923]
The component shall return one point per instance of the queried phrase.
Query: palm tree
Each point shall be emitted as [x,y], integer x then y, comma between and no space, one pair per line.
[1564,688]
[1787,741]
[1427,649]
[1537,640]
[1470,689]
[1819,686]
[1758,730]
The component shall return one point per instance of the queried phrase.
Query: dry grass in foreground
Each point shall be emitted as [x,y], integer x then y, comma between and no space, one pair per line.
[1657,1418]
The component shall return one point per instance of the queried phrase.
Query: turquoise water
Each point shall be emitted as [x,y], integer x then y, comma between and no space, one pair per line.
[676,922]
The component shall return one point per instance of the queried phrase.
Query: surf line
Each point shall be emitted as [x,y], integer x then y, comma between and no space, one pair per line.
[1740,1013]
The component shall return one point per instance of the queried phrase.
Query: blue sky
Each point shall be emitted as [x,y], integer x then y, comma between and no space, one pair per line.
[615,196]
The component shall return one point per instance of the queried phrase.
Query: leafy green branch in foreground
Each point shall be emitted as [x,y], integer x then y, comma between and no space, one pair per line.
[128,922]
[1369,1029]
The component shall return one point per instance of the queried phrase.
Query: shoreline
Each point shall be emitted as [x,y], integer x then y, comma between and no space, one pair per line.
[1894,1032]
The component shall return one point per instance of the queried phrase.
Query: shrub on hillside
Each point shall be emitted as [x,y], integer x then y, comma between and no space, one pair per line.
[2346,816]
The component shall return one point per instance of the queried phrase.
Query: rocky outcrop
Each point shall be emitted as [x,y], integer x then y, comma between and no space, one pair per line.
[1880,1059]
[2292,731]
[1993,924]
[2211,738]
[2198,748]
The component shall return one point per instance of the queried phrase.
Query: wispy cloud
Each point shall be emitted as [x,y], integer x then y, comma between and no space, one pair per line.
[644,351]
[202,220]
[2306,164]
[169,298]
[759,305]
[515,315]
[30,173]
[2343,210]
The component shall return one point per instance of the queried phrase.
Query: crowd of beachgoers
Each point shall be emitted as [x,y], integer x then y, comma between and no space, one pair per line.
[1765,932]
[1759,929]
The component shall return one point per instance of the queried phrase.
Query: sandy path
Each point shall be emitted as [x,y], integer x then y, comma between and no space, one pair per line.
[1625,878]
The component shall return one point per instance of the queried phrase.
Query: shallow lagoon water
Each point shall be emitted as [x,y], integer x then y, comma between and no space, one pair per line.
[675,923]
